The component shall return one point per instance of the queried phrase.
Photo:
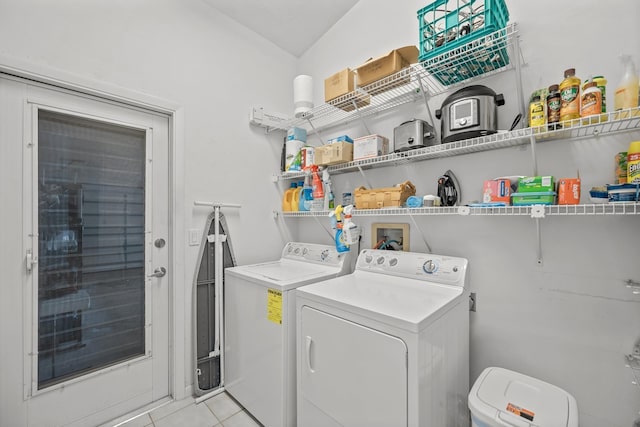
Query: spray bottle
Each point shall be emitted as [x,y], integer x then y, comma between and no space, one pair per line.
[328,192]
[348,227]
[318,190]
[341,246]
[306,197]
[626,95]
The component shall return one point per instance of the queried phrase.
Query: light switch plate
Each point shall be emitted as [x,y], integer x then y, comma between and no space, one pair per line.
[193,236]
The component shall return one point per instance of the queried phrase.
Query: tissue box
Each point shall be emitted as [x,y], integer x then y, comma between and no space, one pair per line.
[497,190]
[370,146]
[533,198]
[298,134]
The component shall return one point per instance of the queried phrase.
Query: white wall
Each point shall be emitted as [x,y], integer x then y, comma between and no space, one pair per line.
[568,322]
[187,53]
[571,320]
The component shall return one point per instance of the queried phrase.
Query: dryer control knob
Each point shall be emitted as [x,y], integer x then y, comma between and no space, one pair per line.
[297,251]
[393,262]
[429,266]
[305,251]
[380,260]
[368,259]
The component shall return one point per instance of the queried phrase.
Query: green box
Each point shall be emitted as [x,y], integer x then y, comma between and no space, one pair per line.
[533,198]
[536,184]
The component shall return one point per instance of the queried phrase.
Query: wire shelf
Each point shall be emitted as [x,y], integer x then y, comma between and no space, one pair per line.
[611,209]
[406,85]
[607,123]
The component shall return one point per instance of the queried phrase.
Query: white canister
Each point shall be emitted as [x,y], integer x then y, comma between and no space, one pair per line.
[308,157]
[293,155]
[430,200]
[302,95]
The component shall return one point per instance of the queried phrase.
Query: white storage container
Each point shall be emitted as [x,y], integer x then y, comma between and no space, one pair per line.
[503,398]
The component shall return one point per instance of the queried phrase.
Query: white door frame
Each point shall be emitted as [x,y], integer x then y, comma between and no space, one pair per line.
[175,274]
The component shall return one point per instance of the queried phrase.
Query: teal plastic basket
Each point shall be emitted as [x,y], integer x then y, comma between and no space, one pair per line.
[448,26]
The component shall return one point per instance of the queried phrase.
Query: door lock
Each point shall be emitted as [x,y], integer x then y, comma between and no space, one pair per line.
[159,243]
[158,272]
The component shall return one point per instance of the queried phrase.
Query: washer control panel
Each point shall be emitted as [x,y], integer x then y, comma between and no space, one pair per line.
[427,267]
[311,252]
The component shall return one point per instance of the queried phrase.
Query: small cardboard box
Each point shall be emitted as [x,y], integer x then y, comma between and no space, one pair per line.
[533,198]
[497,190]
[332,154]
[383,66]
[339,91]
[536,184]
[370,146]
[341,83]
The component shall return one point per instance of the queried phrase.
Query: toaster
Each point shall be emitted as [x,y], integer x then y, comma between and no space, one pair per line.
[413,134]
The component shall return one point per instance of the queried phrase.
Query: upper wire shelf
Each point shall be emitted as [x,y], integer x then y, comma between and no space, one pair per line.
[606,123]
[408,85]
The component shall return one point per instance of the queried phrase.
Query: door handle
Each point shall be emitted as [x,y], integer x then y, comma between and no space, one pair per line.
[158,272]
[309,341]
[31,260]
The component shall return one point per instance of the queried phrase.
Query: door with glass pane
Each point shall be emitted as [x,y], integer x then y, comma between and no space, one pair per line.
[97,174]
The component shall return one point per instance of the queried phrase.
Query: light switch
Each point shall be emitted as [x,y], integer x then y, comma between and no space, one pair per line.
[194,237]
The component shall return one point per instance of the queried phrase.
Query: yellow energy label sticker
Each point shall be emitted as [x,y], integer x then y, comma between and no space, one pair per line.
[274,306]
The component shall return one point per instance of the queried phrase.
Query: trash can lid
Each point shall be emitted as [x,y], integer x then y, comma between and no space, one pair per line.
[507,398]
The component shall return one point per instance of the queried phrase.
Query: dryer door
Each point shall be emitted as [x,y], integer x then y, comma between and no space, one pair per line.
[349,374]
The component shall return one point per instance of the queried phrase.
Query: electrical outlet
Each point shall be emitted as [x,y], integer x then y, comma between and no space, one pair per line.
[472,301]
[193,236]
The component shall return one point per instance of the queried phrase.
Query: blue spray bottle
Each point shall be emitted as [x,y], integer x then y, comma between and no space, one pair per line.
[341,246]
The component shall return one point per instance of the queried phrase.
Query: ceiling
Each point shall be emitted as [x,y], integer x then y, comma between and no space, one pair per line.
[293,25]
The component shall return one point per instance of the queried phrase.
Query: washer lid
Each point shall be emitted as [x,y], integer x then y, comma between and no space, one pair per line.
[514,399]
[284,274]
[405,303]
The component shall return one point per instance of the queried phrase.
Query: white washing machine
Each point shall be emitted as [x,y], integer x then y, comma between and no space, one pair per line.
[260,326]
[387,345]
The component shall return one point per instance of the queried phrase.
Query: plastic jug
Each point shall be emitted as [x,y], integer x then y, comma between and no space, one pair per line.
[287,199]
[626,95]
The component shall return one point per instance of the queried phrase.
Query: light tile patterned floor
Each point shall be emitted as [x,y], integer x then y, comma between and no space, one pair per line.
[217,411]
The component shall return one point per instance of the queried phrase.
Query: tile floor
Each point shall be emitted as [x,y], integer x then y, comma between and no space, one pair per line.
[217,411]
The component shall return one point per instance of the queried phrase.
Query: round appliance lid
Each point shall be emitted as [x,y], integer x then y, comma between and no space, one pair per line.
[467,92]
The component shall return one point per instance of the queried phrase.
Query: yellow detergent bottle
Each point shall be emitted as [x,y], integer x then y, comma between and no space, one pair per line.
[287,199]
[633,163]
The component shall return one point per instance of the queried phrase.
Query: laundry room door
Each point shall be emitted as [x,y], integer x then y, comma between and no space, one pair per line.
[96,311]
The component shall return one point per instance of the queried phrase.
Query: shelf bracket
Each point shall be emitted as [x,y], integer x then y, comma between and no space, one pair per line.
[364,176]
[539,242]
[315,131]
[534,157]
[516,55]
[424,239]
[426,104]
[331,236]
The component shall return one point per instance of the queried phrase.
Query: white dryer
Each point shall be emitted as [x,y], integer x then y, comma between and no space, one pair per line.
[387,345]
[260,326]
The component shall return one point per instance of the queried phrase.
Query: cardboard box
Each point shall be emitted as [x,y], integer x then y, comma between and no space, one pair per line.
[497,190]
[383,66]
[569,191]
[536,184]
[339,91]
[332,154]
[370,146]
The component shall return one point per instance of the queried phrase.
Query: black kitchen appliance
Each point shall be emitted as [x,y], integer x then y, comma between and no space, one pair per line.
[469,113]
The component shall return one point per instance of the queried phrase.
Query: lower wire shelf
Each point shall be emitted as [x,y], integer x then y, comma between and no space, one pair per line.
[626,208]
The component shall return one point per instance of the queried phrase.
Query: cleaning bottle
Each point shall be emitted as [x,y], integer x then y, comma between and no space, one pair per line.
[326,181]
[295,198]
[306,197]
[570,96]
[633,163]
[626,95]
[341,246]
[348,227]
[318,190]
[287,199]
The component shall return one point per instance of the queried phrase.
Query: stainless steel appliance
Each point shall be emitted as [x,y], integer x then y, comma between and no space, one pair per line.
[469,113]
[413,134]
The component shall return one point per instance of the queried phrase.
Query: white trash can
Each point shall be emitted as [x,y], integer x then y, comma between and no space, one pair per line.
[504,398]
